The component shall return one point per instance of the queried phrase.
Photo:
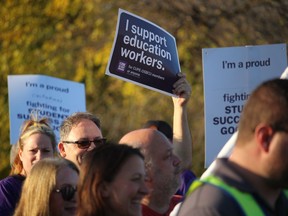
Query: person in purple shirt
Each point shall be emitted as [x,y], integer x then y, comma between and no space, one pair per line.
[36,142]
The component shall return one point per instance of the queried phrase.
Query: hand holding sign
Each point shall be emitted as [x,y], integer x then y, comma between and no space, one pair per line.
[182,89]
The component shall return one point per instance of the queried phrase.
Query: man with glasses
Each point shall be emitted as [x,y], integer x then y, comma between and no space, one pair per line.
[79,133]
[253,180]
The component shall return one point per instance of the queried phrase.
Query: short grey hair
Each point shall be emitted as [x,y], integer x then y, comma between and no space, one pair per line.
[72,120]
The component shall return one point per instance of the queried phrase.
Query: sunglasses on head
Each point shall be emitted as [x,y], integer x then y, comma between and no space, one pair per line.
[84,144]
[67,192]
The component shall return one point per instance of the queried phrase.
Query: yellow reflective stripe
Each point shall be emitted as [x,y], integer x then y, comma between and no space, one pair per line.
[195,184]
[245,200]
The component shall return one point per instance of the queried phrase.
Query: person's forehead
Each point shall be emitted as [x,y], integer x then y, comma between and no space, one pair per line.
[85,122]
[37,140]
[85,128]
[160,147]
[133,164]
[66,175]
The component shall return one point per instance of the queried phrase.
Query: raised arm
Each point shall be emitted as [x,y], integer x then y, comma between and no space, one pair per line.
[182,140]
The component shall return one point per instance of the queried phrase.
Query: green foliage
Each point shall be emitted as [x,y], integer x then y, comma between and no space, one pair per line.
[72,39]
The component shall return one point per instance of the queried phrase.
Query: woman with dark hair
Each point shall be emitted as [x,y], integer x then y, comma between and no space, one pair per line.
[112,182]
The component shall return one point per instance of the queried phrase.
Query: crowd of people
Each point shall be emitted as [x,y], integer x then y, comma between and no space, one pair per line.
[148,172]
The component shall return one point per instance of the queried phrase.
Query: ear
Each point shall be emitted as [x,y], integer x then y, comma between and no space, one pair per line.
[104,190]
[20,154]
[61,148]
[264,135]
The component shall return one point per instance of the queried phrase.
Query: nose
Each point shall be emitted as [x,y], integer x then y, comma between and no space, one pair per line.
[74,198]
[176,161]
[92,146]
[143,188]
[39,155]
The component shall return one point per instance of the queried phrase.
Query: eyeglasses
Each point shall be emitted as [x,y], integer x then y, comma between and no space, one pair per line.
[67,192]
[84,144]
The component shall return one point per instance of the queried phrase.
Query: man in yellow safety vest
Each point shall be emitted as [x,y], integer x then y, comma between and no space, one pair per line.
[253,180]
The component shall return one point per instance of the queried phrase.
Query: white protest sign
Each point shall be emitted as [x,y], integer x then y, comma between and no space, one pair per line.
[230,74]
[53,98]
[228,147]
[144,54]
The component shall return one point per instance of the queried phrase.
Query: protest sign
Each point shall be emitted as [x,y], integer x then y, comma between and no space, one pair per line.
[143,54]
[228,147]
[230,74]
[52,98]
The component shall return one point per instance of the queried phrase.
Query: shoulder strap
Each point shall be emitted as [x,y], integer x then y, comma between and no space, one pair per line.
[246,201]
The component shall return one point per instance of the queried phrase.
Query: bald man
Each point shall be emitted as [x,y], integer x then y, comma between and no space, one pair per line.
[162,168]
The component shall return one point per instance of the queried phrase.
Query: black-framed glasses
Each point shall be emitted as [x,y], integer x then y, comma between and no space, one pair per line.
[84,144]
[67,192]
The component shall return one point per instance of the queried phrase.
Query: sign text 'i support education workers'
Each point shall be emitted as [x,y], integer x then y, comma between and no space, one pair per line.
[230,74]
[144,54]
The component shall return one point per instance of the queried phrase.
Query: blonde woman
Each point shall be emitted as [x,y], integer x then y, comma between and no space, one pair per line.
[36,141]
[49,189]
